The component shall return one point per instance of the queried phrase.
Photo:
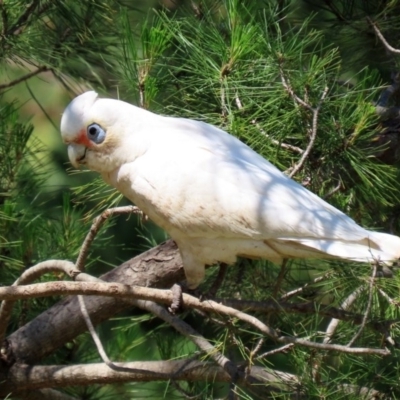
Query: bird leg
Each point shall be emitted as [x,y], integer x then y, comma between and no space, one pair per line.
[218,280]
[279,280]
[176,303]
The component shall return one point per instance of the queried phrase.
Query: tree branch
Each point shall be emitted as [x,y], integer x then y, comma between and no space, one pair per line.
[378,33]
[166,297]
[23,18]
[191,334]
[301,289]
[94,229]
[22,376]
[44,394]
[28,276]
[23,78]
[367,311]
[159,267]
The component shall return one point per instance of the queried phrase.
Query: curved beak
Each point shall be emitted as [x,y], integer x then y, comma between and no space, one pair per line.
[76,154]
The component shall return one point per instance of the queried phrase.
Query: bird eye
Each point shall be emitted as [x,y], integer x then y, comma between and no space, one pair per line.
[96,133]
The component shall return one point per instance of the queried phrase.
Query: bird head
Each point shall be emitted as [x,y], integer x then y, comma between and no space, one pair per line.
[98,132]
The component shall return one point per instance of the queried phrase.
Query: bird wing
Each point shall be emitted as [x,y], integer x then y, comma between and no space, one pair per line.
[205,182]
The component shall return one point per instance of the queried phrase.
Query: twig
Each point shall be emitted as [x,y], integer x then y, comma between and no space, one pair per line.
[277,142]
[388,298]
[4,18]
[313,136]
[257,348]
[290,90]
[301,289]
[224,110]
[315,112]
[141,94]
[333,191]
[367,311]
[187,331]
[238,102]
[282,349]
[15,28]
[378,33]
[94,229]
[40,106]
[99,345]
[28,276]
[347,303]
[165,296]
[273,141]
[23,78]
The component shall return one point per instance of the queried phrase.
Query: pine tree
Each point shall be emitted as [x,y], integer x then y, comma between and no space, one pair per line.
[312,87]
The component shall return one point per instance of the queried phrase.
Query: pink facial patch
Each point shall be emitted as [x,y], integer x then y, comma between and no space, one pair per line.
[83,139]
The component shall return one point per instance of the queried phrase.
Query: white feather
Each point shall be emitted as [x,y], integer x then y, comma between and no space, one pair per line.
[214,195]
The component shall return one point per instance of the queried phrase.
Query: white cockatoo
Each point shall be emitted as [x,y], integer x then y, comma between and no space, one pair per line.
[215,196]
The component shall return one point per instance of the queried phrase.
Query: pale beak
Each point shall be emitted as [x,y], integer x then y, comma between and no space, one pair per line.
[76,154]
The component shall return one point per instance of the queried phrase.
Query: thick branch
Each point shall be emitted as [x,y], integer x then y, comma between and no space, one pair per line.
[44,394]
[166,296]
[22,376]
[159,267]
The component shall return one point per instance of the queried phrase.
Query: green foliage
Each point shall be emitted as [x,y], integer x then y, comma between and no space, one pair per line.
[226,63]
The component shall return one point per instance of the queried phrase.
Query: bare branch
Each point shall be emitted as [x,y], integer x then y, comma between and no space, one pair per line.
[273,141]
[282,349]
[28,276]
[315,111]
[191,334]
[313,136]
[22,376]
[378,33]
[23,78]
[4,18]
[333,191]
[367,311]
[299,290]
[94,229]
[277,142]
[290,90]
[347,303]
[15,29]
[159,267]
[99,345]
[166,296]
[395,303]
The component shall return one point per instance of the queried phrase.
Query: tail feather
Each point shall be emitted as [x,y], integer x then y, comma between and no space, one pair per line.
[380,247]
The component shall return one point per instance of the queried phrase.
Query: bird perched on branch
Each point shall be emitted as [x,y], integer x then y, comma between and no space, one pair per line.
[215,196]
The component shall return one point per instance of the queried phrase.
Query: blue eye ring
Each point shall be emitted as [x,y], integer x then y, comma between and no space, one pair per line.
[95,133]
